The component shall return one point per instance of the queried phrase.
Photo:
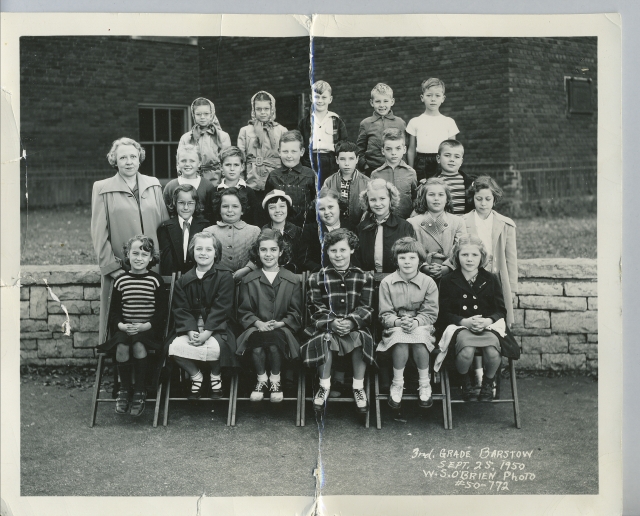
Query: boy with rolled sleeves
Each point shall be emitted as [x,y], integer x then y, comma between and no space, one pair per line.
[321,129]
[370,134]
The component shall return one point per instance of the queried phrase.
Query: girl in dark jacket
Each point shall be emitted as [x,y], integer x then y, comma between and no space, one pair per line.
[202,307]
[270,311]
[472,315]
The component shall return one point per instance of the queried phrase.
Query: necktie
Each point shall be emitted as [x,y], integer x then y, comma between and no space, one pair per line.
[185,237]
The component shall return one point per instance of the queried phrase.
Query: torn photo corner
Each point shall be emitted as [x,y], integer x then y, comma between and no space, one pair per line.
[534,102]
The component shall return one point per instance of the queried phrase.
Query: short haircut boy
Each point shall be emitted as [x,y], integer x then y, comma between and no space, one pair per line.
[392,134]
[346,146]
[450,144]
[382,89]
[432,82]
[147,245]
[408,245]
[217,246]
[292,136]
[320,87]
[232,152]
[333,237]
[187,188]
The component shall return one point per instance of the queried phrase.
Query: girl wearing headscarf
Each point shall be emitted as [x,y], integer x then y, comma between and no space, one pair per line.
[259,140]
[207,135]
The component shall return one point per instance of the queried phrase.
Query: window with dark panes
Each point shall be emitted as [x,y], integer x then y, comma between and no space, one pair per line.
[579,99]
[160,130]
[290,110]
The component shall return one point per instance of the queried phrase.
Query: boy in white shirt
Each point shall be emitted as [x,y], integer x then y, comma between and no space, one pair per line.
[429,130]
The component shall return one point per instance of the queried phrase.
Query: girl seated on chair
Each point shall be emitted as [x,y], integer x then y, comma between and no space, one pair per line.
[136,320]
[270,310]
[408,311]
[340,298]
[202,306]
[472,315]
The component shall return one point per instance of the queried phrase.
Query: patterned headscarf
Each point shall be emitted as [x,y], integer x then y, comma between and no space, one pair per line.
[212,128]
[260,127]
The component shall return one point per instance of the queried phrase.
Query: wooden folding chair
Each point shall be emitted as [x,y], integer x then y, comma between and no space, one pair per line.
[513,399]
[298,366]
[169,282]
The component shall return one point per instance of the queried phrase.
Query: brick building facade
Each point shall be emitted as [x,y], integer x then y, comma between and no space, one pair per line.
[526,107]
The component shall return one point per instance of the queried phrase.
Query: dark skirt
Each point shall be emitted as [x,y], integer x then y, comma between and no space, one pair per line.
[266,339]
[468,339]
[149,338]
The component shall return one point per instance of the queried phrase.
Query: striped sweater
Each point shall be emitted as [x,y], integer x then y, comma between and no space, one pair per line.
[136,299]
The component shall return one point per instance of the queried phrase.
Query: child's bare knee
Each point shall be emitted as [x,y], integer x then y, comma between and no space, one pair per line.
[139,350]
[122,353]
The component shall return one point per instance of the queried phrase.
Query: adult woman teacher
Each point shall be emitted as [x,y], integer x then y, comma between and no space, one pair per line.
[122,206]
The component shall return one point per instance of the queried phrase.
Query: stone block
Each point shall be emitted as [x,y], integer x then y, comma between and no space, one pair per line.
[27,354]
[28,344]
[83,353]
[73,306]
[85,340]
[77,322]
[92,293]
[553,303]
[31,358]
[583,348]
[592,337]
[55,348]
[95,307]
[563,362]
[529,362]
[536,319]
[570,322]
[74,275]
[38,303]
[24,293]
[592,356]
[531,331]
[592,366]
[24,309]
[563,268]
[592,303]
[577,338]
[581,288]
[551,344]
[540,288]
[35,335]
[34,274]
[31,325]
[88,323]
[70,361]
[518,316]
[67,292]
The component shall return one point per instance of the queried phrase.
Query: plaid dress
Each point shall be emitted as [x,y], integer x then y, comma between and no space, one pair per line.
[334,296]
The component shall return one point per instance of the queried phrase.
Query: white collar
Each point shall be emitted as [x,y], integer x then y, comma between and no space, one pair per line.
[181,221]
[241,182]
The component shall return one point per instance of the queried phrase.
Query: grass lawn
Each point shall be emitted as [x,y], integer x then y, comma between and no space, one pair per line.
[61,236]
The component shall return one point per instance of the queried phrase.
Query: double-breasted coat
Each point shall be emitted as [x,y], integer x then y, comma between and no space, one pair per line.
[453,227]
[504,252]
[170,240]
[263,301]
[116,216]
[459,300]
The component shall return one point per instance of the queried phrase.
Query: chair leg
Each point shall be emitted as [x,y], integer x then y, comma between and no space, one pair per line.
[445,400]
[367,386]
[233,396]
[167,395]
[514,392]
[303,397]
[298,400]
[377,394]
[156,411]
[448,397]
[96,390]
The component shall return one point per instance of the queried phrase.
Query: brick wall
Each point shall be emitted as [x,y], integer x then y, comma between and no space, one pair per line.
[556,314]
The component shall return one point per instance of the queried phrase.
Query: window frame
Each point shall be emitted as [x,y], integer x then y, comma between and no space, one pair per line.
[569,81]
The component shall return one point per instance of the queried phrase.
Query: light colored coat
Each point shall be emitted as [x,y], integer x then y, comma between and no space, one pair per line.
[260,160]
[454,229]
[504,252]
[115,218]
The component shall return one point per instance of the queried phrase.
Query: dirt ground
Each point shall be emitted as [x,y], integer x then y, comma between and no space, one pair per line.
[555,452]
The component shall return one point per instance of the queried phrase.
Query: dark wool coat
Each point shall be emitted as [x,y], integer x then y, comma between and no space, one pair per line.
[170,243]
[300,184]
[459,300]
[394,228]
[261,300]
[332,296]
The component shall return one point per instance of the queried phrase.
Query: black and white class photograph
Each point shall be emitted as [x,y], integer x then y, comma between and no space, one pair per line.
[311,267]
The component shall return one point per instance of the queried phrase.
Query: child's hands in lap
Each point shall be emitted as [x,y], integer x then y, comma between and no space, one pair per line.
[263,326]
[408,324]
[342,326]
[197,339]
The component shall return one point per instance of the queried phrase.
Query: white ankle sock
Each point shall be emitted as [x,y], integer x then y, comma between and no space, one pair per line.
[325,382]
[263,377]
[398,376]
[274,378]
[216,376]
[358,384]
[197,377]
[423,377]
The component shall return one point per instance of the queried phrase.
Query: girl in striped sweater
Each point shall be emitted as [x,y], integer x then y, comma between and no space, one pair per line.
[135,320]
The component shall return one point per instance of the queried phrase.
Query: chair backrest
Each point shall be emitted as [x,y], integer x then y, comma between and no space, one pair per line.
[305,314]
[170,283]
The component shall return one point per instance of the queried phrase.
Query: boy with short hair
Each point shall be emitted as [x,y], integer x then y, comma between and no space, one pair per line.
[321,129]
[450,156]
[396,171]
[350,182]
[232,160]
[296,180]
[428,130]
[370,134]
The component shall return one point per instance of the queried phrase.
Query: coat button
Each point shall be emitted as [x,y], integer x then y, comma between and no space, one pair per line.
[474,297]
[475,307]
[464,295]
[430,224]
[446,225]
[464,307]
[342,300]
[342,284]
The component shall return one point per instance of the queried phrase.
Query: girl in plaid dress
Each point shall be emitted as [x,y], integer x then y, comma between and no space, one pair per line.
[340,299]
[408,311]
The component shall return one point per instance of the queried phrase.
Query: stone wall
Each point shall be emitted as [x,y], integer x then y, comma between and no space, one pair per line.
[556,314]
